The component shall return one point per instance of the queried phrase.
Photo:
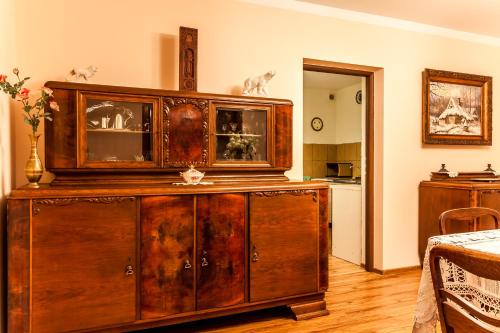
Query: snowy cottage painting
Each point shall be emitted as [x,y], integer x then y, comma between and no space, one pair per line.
[455,109]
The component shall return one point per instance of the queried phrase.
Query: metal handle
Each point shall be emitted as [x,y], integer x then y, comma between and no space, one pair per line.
[187,265]
[204,261]
[255,255]
[129,270]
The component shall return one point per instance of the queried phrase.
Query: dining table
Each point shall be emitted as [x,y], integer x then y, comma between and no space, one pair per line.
[483,293]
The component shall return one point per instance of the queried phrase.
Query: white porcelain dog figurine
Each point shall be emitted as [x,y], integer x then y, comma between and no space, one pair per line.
[257,86]
[81,73]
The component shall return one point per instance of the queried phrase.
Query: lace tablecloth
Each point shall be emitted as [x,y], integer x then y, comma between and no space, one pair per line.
[482,292]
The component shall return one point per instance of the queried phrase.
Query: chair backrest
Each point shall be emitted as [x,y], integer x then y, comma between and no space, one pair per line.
[455,313]
[470,215]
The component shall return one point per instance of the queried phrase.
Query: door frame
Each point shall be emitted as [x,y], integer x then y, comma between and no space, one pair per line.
[369,73]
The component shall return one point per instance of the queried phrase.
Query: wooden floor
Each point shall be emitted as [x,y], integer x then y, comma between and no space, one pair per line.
[358,302]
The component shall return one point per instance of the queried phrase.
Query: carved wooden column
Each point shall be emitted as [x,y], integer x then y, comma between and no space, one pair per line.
[188,56]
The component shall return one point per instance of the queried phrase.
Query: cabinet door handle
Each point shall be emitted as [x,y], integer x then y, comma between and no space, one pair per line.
[255,254]
[187,265]
[204,262]
[129,270]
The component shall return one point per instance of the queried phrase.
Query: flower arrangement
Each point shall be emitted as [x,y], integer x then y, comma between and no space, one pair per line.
[241,147]
[32,112]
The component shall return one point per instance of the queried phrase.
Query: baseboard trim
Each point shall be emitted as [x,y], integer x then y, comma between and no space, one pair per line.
[397,270]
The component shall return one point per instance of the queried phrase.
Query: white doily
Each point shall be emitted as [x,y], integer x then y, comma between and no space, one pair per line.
[483,293]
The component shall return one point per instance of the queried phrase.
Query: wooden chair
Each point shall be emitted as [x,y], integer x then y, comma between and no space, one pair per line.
[457,315]
[472,215]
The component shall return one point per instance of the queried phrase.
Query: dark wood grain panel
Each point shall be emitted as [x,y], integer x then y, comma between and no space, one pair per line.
[185,131]
[284,238]
[18,264]
[323,239]
[60,134]
[220,250]
[80,252]
[432,202]
[488,199]
[283,136]
[167,258]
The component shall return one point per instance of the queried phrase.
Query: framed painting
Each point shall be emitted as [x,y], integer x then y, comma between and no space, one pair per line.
[456,108]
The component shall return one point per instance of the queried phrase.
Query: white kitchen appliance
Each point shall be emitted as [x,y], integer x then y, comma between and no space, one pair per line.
[346,222]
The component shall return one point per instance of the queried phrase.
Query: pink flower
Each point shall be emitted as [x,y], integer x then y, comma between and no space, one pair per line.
[47,91]
[3,78]
[24,93]
[54,106]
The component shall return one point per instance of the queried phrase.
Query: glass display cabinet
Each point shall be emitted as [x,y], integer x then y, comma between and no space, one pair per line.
[118,130]
[241,134]
[111,134]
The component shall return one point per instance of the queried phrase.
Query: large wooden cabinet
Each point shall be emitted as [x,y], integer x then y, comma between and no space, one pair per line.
[438,196]
[115,243]
[128,258]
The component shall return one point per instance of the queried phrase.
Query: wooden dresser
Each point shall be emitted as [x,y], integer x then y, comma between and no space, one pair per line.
[443,193]
[114,244]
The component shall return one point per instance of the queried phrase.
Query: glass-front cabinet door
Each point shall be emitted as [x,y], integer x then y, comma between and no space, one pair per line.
[241,135]
[118,131]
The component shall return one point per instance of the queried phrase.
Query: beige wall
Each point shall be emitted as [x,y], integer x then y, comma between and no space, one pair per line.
[6,58]
[134,43]
[347,115]
[318,104]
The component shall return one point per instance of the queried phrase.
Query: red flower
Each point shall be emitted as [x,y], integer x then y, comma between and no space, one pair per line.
[24,93]
[3,78]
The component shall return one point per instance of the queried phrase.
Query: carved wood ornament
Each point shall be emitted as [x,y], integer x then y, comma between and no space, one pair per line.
[188,58]
[293,192]
[200,105]
[69,201]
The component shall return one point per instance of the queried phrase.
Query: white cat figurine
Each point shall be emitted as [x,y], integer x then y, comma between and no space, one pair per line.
[257,86]
[81,73]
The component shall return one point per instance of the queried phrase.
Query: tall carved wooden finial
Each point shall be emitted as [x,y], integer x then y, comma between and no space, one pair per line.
[188,57]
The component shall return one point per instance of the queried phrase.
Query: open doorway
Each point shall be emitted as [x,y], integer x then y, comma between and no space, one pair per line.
[348,138]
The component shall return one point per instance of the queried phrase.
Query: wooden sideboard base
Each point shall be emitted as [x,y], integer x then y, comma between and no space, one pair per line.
[311,306]
[309,310]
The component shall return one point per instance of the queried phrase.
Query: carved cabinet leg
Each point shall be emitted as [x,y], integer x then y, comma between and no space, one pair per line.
[302,311]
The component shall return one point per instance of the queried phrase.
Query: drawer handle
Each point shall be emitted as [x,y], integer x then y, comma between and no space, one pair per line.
[187,265]
[129,270]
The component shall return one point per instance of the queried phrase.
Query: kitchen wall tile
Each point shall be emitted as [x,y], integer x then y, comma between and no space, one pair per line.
[319,169]
[308,168]
[331,153]
[341,153]
[319,152]
[308,152]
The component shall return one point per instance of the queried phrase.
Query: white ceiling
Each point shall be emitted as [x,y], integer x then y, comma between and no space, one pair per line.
[474,16]
[328,80]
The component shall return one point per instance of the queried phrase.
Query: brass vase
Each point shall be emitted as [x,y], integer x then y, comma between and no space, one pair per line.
[34,167]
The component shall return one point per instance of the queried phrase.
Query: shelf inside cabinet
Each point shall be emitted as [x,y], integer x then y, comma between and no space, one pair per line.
[112,130]
[239,134]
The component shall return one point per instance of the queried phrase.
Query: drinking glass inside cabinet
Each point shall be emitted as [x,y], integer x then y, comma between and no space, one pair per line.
[119,130]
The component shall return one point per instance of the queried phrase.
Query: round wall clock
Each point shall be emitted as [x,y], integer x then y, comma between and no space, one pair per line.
[358,97]
[317,124]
